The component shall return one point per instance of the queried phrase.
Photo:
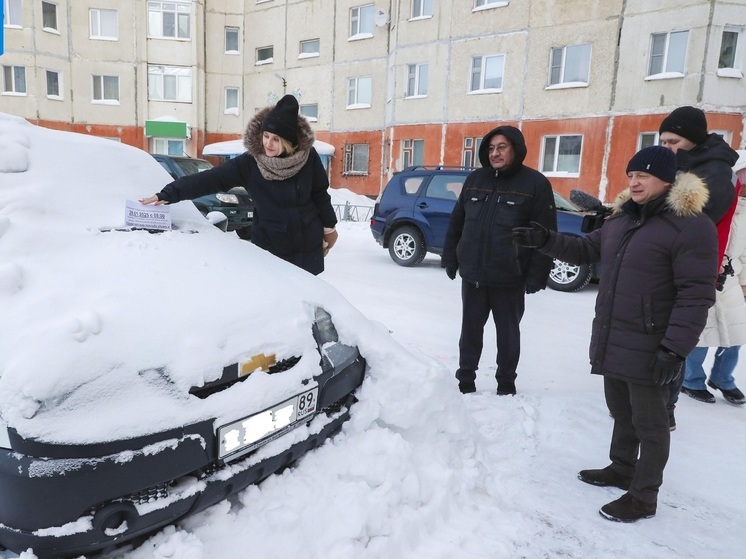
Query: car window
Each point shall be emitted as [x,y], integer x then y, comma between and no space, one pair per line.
[412,184]
[446,187]
[563,204]
[163,164]
[192,166]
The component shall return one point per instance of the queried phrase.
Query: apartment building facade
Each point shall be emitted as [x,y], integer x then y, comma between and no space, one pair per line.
[388,83]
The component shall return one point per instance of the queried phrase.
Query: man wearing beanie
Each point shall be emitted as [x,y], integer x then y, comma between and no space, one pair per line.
[708,156]
[293,215]
[657,283]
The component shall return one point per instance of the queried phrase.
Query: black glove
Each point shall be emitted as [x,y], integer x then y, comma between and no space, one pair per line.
[532,288]
[451,272]
[535,236]
[666,366]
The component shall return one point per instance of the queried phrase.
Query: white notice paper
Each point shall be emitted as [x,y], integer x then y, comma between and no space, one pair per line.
[147,217]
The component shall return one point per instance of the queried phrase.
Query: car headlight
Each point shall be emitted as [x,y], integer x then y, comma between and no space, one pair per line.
[323,327]
[227,198]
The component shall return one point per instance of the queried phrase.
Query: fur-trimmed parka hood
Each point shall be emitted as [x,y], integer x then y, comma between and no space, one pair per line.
[252,136]
[687,196]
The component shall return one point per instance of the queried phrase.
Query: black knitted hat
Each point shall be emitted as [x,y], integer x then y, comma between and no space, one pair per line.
[283,119]
[687,122]
[655,160]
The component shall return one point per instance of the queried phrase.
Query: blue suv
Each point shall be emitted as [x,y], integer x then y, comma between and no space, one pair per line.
[412,213]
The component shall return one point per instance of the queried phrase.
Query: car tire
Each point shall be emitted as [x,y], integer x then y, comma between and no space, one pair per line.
[407,247]
[244,233]
[569,277]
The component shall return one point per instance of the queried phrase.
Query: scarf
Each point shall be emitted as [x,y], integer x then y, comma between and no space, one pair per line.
[281,168]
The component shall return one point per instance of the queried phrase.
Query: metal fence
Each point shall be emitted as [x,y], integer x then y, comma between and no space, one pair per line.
[351,212]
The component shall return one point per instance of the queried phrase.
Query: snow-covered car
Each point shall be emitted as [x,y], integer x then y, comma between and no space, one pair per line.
[124,404]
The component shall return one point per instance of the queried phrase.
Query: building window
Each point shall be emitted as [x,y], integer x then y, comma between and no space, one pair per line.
[647,139]
[265,55]
[169,83]
[106,89]
[482,4]
[668,53]
[356,159]
[167,146]
[416,80]
[310,111]
[169,20]
[53,84]
[561,155]
[730,58]
[309,48]
[412,152]
[487,73]
[231,40]
[570,65]
[14,79]
[470,153]
[104,24]
[13,13]
[361,21]
[231,100]
[422,8]
[49,16]
[359,92]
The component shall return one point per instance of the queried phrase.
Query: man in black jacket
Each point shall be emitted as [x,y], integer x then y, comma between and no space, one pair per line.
[496,273]
[659,253]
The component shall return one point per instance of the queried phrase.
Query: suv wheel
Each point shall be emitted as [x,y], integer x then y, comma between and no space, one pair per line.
[244,233]
[569,277]
[407,247]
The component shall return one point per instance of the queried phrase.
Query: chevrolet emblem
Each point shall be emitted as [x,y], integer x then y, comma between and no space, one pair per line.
[259,361]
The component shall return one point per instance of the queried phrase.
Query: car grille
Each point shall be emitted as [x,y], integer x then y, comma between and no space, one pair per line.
[230,377]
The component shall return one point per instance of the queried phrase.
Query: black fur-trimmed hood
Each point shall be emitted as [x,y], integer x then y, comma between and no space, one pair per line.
[252,136]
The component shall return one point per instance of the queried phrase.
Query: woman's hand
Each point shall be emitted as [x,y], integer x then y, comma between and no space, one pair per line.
[330,238]
[152,200]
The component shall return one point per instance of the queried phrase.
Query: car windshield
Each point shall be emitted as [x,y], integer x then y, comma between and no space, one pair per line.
[564,204]
[192,166]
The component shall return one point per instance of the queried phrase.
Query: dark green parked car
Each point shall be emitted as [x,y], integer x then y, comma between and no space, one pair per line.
[235,204]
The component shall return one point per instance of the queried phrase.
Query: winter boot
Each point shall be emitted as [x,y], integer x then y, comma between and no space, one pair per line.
[733,396]
[699,395]
[467,387]
[506,388]
[606,477]
[627,509]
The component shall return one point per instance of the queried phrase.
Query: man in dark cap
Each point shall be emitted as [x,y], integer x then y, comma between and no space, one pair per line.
[657,283]
[708,156]
[496,275]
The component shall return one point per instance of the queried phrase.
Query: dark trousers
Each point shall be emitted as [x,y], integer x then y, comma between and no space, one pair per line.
[507,305]
[673,390]
[641,440]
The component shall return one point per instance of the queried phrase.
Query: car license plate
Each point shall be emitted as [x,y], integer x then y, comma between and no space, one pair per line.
[242,436]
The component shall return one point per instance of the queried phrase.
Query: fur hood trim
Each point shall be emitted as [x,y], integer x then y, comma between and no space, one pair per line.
[252,136]
[686,197]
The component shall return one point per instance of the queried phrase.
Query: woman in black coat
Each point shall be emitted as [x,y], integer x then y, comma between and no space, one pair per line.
[293,215]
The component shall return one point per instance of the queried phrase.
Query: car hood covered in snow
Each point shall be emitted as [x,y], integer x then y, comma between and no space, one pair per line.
[99,338]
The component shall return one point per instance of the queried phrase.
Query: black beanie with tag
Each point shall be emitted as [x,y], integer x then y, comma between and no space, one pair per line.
[283,119]
[655,160]
[687,122]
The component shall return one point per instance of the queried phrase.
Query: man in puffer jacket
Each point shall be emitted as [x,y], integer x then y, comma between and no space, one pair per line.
[658,255]
[496,274]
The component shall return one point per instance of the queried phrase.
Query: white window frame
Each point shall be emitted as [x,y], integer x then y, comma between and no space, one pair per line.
[262,51]
[565,52]
[481,72]
[410,150]
[95,24]
[470,152]
[182,12]
[422,9]
[310,111]
[489,4]
[735,70]
[353,157]
[11,75]
[668,57]
[231,30]
[416,83]
[45,4]
[101,80]
[557,157]
[13,14]
[309,53]
[58,96]
[232,101]
[162,78]
[358,89]
[648,139]
[163,146]
[362,22]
